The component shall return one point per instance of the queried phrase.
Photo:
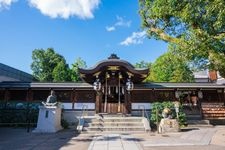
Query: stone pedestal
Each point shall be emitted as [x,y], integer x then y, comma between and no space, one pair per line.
[168,125]
[49,119]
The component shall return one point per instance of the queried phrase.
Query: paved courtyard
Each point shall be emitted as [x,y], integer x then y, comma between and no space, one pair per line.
[196,138]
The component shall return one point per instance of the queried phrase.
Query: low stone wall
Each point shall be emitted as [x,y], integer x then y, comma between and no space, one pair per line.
[71,116]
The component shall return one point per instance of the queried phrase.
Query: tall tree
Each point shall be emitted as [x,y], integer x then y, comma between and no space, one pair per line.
[61,72]
[170,68]
[142,64]
[44,62]
[79,63]
[194,28]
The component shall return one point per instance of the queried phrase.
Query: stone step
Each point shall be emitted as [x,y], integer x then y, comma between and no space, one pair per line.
[112,132]
[200,125]
[193,117]
[116,124]
[114,120]
[113,115]
[203,122]
[122,128]
[110,123]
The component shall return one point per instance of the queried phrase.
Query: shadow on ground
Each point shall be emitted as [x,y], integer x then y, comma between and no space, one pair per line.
[19,138]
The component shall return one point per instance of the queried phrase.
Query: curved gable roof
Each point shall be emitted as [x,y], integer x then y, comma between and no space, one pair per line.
[113,62]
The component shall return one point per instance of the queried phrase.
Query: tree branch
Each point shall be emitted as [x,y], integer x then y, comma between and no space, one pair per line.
[165,36]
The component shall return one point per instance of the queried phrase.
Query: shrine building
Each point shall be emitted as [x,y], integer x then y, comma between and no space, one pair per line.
[115,86]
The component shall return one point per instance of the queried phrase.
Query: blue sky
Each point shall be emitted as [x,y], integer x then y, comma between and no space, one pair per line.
[90,29]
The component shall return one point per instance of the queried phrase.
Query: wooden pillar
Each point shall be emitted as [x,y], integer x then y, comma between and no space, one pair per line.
[98,102]
[29,96]
[153,95]
[7,95]
[73,98]
[128,102]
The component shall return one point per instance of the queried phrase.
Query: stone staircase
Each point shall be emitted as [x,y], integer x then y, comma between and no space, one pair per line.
[114,123]
[192,112]
[199,123]
[194,117]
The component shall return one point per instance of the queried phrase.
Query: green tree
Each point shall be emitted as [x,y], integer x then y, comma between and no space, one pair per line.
[61,72]
[194,28]
[170,68]
[142,64]
[44,63]
[79,63]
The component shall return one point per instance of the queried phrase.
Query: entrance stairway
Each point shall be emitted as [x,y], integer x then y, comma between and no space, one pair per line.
[114,123]
[194,117]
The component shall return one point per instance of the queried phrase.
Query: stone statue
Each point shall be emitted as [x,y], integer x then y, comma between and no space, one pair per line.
[51,100]
[166,113]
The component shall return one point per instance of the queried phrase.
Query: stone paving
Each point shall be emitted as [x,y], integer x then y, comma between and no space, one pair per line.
[193,137]
[198,138]
[114,142]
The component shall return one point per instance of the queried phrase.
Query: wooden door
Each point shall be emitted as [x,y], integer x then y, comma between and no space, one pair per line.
[113,108]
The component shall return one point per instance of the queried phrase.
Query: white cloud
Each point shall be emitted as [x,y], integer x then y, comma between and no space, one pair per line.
[66,8]
[120,22]
[112,28]
[5,4]
[135,38]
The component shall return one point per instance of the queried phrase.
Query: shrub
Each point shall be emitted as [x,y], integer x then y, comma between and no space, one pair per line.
[157,108]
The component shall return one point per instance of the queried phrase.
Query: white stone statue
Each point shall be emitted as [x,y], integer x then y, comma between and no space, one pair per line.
[51,100]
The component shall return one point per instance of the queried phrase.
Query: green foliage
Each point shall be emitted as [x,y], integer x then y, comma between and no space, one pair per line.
[47,66]
[142,64]
[44,63]
[61,72]
[170,68]
[194,28]
[157,108]
[79,63]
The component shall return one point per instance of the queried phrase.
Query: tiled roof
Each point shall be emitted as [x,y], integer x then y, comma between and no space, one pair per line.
[179,85]
[88,86]
[43,85]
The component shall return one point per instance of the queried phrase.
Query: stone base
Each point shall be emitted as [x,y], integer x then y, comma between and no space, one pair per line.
[49,119]
[168,125]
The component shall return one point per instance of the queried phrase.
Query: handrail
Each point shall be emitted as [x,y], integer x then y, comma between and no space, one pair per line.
[144,113]
[81,121]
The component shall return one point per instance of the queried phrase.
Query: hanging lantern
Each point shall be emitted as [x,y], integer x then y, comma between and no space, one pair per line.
[129,85]
[97,85]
